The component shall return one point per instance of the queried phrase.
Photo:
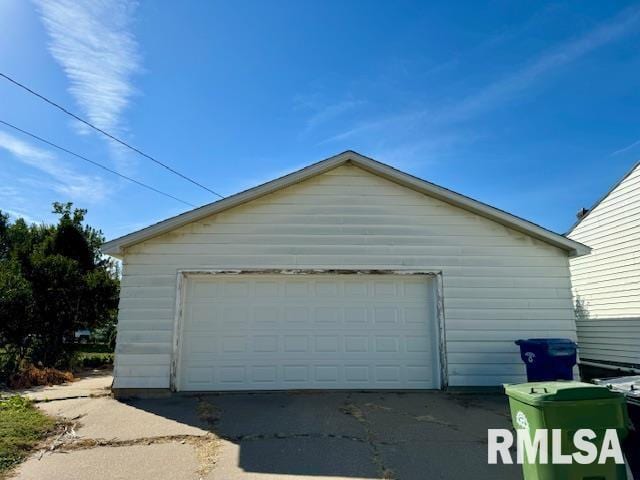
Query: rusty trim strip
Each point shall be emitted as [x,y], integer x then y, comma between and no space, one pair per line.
[442,347]
[181,281]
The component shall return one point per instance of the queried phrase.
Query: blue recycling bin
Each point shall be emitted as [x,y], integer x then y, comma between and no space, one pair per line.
[548,358]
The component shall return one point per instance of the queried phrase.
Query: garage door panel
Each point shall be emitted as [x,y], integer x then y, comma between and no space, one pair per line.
[418,373]
[355,289]
[296,343]
[296,315]
[234,316]
[264,374]
[418,344]
[202,375]
[234,343]
[218,347]
[326,343]
[266,316]
[288,332]
[385,316]
[356,316]
[266,344]
[356,344]
[266,289]
[203,344]
[202,316]
[298,375]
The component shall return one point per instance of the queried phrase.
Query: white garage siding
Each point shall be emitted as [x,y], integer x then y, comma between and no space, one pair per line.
[607,282]
[499,285]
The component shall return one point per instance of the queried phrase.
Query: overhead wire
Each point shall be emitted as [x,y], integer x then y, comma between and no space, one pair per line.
[82,157]
[107,134]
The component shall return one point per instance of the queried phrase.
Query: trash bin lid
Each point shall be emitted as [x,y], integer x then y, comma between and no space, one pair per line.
[536,393]
[544,341]
[629,386]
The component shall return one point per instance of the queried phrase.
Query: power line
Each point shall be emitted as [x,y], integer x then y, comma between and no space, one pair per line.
[112,137]
[32,135]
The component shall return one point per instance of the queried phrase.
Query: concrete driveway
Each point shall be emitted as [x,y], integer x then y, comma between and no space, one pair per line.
[293,435]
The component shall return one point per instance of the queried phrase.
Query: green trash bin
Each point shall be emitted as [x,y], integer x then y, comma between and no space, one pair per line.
[569,406]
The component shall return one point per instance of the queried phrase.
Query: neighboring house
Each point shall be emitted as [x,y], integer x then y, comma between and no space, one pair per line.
[606,283]
[345,274]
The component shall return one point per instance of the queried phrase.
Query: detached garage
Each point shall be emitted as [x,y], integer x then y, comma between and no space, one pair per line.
[347,274]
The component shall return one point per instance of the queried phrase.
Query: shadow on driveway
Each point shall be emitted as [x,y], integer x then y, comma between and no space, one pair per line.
[389,435]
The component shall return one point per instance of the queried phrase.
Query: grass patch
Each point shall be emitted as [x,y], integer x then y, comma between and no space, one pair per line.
[22,426]
[92,348]
[92,355]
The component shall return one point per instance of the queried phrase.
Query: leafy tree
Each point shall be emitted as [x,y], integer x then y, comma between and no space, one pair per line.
[53,281]
[16,309]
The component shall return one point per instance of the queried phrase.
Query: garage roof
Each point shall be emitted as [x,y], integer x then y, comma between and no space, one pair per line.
[115,247]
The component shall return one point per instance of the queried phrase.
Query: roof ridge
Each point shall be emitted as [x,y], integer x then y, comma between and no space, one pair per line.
[115,246]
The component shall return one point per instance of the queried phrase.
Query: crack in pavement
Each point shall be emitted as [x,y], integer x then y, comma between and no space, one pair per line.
[420,418]
[71,397]
[350,408]
[284,436]
[88,443]
[205,446]
[68,440]
[385,471]
[212,414]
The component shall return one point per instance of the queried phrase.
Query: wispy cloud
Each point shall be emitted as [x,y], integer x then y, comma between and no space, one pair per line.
[502,90]
[21,214]
[323,112]
[93,43]
[65,181]
[626,149]
[413,155]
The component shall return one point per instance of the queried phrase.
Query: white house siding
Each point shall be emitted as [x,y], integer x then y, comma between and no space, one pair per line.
[499,285]
[607,282]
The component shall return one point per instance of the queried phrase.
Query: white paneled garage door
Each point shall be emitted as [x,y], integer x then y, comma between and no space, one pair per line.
[273,332]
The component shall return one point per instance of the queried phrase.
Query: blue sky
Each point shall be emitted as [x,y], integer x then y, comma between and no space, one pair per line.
[529,106]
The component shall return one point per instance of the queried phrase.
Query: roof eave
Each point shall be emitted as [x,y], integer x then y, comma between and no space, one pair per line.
[116,247]
[574,248]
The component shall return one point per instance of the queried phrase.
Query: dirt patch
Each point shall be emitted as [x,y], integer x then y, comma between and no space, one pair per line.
[432,419]
[375,406]
[208,412]
[353,410]
[32,376]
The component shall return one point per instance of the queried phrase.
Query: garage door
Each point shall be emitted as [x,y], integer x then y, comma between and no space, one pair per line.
[275,332]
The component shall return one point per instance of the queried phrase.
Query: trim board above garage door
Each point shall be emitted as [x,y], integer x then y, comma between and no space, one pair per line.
[302,330]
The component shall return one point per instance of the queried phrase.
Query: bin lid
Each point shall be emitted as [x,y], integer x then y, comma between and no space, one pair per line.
[535,393]
[544,341]
[629,386]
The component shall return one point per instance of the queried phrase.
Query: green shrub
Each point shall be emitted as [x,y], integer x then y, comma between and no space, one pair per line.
[53,281]
[91,355]
[92,360]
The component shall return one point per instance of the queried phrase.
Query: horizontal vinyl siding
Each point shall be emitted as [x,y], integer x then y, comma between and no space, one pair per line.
[499,285]
[607,282]
[610,340]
